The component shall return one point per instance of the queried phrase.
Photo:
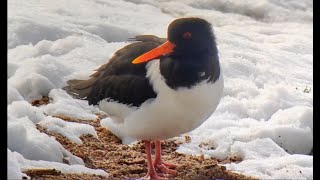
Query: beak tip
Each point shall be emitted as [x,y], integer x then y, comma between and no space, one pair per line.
[165,48]
[135,61]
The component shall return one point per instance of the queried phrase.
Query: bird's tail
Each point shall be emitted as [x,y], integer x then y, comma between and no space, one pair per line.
[79,89]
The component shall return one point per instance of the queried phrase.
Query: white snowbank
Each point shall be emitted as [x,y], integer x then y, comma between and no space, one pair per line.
[70,130]
[13,95]
[20,109]
[301,116]
[63,104]
[270,162]
[18,159]
[13,171]
[220,131]
[24,138]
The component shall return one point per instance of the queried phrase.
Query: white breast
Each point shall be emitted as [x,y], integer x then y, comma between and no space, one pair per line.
[172,113]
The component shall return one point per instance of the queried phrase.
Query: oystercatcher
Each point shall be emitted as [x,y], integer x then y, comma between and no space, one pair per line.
[157,88]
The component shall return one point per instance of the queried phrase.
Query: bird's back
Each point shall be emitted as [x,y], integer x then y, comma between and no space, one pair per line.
[119,79]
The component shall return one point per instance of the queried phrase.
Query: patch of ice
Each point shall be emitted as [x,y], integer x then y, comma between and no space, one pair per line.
[70,130]
[22,31]
[31,86]
[257,149]
[223,129]
[64,104]
[292,139]
[13,171]
[284,167]
[12,67]
[266,10]
[64,168]
[13,95]
[21,109]
[24,138]
[300,116]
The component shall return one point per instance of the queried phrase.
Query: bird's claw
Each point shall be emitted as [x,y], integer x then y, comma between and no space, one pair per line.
[164,170]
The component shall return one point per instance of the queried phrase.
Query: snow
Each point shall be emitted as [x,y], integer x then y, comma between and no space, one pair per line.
[14,171]
[266,52]
[24,138]
[20,109]
[270,162]
[70,130]
[13,95]
[18,159]
[63,104]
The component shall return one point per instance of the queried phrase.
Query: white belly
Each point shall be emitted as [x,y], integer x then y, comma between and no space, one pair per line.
[172,113]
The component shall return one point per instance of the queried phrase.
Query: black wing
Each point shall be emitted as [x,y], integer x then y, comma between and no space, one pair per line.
[119,79]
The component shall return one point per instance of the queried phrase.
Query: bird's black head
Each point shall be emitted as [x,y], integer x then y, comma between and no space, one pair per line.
[189,55]
[191,35]
[185,36]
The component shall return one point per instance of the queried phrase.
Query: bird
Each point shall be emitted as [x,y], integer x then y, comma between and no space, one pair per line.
[158,88]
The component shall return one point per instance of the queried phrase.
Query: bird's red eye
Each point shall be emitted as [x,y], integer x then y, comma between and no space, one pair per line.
[187,35]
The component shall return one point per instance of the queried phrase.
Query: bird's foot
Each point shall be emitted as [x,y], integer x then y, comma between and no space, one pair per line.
[163,167]
[168,165]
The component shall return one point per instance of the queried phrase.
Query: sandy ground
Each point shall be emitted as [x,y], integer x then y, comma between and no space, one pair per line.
[128,162]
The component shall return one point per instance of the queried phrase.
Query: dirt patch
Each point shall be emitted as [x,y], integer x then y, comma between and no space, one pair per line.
[129,162]
[43,101]
[68,177]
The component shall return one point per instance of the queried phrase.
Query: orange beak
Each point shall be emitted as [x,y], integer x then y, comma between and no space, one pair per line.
[165,48]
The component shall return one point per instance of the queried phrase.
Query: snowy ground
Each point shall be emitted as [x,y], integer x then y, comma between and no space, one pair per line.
[265,115]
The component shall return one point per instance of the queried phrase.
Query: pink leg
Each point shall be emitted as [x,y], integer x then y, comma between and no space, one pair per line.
[152,174]
[160,165]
